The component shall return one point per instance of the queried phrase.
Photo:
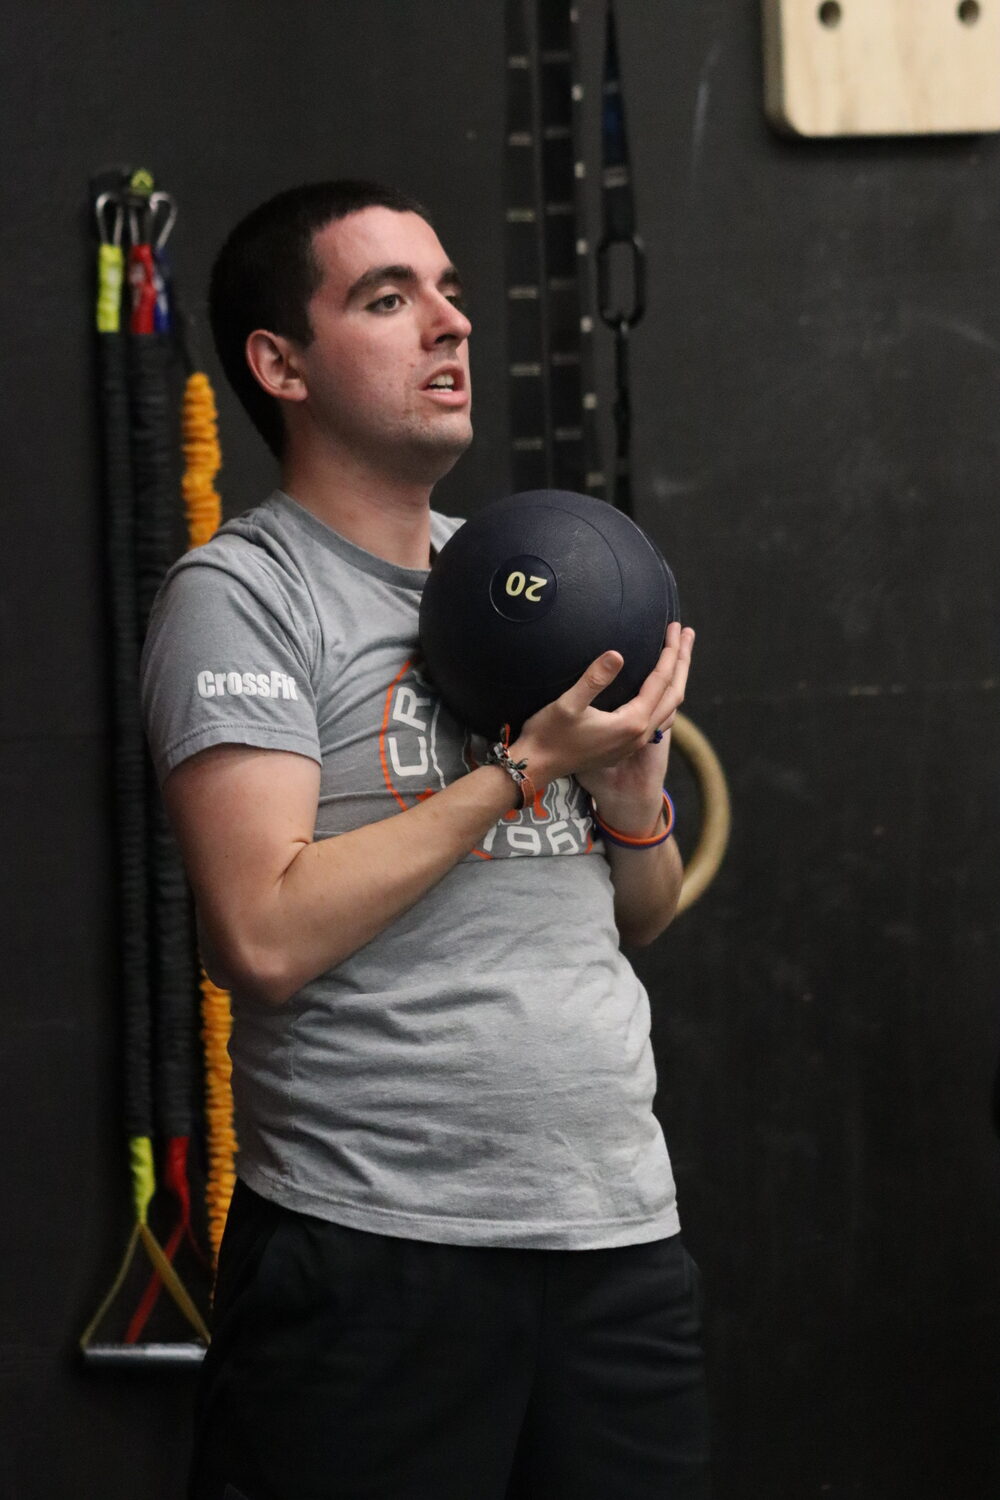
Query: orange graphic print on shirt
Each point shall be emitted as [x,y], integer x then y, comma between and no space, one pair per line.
[422,750]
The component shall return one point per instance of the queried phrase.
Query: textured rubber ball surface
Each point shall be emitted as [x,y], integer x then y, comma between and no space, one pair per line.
[528,592]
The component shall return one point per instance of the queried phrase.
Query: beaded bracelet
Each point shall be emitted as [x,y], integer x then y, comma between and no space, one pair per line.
[625,840]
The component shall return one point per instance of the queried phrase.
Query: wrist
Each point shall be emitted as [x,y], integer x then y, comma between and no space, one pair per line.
[632,819]
[513,764]
[507,788]
[623,838]
[535,763]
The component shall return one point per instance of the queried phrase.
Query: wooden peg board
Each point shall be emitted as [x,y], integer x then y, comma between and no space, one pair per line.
[882,67]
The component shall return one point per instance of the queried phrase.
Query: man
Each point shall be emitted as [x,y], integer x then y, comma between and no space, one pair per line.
[452,1268]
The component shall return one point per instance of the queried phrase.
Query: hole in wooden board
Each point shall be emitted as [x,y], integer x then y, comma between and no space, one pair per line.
[969,12]
[830,13]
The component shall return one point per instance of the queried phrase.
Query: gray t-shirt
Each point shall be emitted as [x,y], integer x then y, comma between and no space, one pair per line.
[481,1072]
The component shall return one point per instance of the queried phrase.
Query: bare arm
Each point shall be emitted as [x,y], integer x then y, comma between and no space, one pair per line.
[647,886]
[629,798]
[278,908]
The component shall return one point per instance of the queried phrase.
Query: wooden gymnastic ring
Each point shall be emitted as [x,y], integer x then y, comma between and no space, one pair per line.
[703,866]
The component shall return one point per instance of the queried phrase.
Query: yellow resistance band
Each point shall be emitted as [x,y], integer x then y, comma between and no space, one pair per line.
[202,461]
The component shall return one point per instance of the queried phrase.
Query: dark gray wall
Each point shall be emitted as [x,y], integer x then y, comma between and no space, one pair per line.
[815,392]
[817,446]
[226,103]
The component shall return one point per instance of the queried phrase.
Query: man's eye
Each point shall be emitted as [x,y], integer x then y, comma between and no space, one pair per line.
[383,303]
[457,300]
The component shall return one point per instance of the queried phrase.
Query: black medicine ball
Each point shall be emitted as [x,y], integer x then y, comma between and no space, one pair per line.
[528,593]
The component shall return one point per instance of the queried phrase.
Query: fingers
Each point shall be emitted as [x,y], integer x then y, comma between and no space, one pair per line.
[594,680]
[663,691]
[569,735]
[661,694]
[672,695]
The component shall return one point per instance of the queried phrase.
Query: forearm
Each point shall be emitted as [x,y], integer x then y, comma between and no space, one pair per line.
[647,879]
[647,884]
[338,893]
[280,907]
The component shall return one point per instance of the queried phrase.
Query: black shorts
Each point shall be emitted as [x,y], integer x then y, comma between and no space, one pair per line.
[353,1366]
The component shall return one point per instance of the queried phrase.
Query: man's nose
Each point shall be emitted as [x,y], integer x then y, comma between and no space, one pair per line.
[447,321]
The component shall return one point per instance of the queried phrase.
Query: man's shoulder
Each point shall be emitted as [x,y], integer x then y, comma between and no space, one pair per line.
[257,544]
[253,568]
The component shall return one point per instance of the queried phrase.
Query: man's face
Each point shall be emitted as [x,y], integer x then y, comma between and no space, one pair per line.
[387,371]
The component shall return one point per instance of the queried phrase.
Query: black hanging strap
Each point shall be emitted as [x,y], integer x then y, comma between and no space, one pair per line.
[550,366]
[620,308]
[157,491]
[593,468]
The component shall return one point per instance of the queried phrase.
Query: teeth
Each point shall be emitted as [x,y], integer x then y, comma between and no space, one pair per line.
[442,383]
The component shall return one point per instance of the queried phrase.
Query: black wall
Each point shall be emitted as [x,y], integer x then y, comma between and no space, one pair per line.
[815,387]
[818,452]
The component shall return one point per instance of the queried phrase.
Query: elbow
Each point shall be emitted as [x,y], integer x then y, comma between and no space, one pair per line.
[256,971]
[266,979]
[641,937]
[269,990]
[641,933]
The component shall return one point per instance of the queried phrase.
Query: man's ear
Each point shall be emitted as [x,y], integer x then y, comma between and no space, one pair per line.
[274,365]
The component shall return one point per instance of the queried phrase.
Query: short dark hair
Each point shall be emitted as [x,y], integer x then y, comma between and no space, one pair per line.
[266,274]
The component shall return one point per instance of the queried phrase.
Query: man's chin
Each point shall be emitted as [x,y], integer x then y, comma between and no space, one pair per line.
[440,451]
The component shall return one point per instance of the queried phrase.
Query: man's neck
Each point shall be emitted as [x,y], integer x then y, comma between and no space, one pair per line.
[384,516]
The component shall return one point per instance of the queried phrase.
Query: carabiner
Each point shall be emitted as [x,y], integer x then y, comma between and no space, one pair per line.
[114,235]
[156,202]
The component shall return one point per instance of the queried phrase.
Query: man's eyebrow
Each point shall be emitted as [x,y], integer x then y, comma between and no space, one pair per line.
[402,275]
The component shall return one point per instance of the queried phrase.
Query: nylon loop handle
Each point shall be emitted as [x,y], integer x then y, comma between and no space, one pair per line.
[110,277]
[173,1283]
[140,1155]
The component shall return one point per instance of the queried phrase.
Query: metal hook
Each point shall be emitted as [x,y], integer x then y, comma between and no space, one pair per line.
[156,201]
[136,232]
[114,237]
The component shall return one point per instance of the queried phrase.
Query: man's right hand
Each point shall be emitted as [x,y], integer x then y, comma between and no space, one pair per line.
[571,737]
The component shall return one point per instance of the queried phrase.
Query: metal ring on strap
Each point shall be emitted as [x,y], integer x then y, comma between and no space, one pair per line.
[716,819]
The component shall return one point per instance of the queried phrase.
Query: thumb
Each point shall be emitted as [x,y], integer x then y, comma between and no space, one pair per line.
[594,680]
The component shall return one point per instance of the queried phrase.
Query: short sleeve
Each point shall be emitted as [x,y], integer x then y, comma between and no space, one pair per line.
[226,660]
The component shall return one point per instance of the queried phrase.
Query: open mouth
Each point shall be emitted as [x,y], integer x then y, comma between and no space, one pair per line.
[447,386]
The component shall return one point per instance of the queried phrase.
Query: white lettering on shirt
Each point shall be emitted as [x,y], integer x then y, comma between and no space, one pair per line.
[561,838]
[405,707]
[272,684]
[422,766]
[524,840]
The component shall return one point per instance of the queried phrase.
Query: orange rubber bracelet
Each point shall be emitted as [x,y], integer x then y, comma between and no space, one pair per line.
[626,840]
